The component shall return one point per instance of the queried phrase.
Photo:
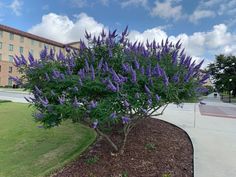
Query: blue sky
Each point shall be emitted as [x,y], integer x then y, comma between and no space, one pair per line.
[206,27]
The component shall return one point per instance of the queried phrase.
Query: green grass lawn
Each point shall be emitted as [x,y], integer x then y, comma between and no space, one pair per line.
[29,151]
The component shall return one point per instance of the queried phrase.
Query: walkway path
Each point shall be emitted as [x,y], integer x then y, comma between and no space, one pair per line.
[213,138]
[14,96]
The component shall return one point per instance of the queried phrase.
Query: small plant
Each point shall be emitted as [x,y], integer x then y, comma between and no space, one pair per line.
[150,146]
[166,175]
[124,174]
[92,160]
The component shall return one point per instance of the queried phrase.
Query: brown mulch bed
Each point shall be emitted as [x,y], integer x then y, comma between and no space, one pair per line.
[154,149]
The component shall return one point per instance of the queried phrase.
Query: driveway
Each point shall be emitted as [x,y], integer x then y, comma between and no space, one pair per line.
[213,134]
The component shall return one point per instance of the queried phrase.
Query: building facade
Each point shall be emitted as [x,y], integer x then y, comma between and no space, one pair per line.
[15,42]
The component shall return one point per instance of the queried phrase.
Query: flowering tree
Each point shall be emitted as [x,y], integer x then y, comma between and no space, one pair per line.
[108,82]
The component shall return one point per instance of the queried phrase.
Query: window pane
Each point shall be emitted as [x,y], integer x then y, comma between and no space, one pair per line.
[21,49]
[10,47]
[10,58]
[11,36]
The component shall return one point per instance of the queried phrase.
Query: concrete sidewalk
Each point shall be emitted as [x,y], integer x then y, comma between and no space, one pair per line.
[213,138]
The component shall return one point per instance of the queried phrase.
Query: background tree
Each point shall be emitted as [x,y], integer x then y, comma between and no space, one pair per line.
[223,71]
[110,83]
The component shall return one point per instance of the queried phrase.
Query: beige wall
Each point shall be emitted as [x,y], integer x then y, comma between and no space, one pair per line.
[28,45]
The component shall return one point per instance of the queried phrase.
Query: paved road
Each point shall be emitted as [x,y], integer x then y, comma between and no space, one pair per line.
[14,96]
[213,138]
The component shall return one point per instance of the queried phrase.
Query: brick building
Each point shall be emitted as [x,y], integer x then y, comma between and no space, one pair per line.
[15,42]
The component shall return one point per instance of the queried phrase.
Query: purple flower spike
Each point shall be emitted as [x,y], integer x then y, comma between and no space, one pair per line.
[158,98]
[142,70]
[43,53]
[76,103]
[125,119]
[86,65]
[44,102]
[39,115]
[47,77]
[61,56]
[93,104]
[15,80]
[126,103]
[176,78]
[62,99]
[113,115]
[111,86]
[92,73]
[147,90]
[31,59]
[100,64]
[95,124]
[133,76]
[149,101]
[52,54]
[165,79]
[23,60]
[137,65]
[87,35]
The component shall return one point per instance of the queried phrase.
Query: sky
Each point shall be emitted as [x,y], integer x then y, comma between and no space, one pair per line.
[205,27]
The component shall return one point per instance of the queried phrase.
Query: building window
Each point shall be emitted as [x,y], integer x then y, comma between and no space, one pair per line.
[21,39]
[32,42]
[1,33]
[9,81]
[0,45]
[0,57]
[10,47]
[11,36]
[10,69]
[21,50]
[10,58]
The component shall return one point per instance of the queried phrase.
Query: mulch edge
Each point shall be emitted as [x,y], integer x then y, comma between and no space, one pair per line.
[187,136]
[98,138]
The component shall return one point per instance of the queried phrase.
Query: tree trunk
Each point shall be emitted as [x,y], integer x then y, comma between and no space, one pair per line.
[108,139]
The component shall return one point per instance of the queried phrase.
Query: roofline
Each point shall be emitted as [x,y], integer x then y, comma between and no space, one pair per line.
[31,36]
[71,43]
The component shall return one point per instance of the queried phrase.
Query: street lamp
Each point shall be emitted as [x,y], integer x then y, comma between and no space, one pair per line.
[230,80]
[222,88]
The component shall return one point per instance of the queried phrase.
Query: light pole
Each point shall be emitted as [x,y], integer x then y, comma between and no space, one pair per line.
[222,88]
[230,80]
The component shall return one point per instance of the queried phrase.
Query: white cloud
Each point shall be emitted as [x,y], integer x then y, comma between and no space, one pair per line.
[199,44]
[126,3]
[62,29]
[228,7]
[16,7]
[167,10]
[200,14]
